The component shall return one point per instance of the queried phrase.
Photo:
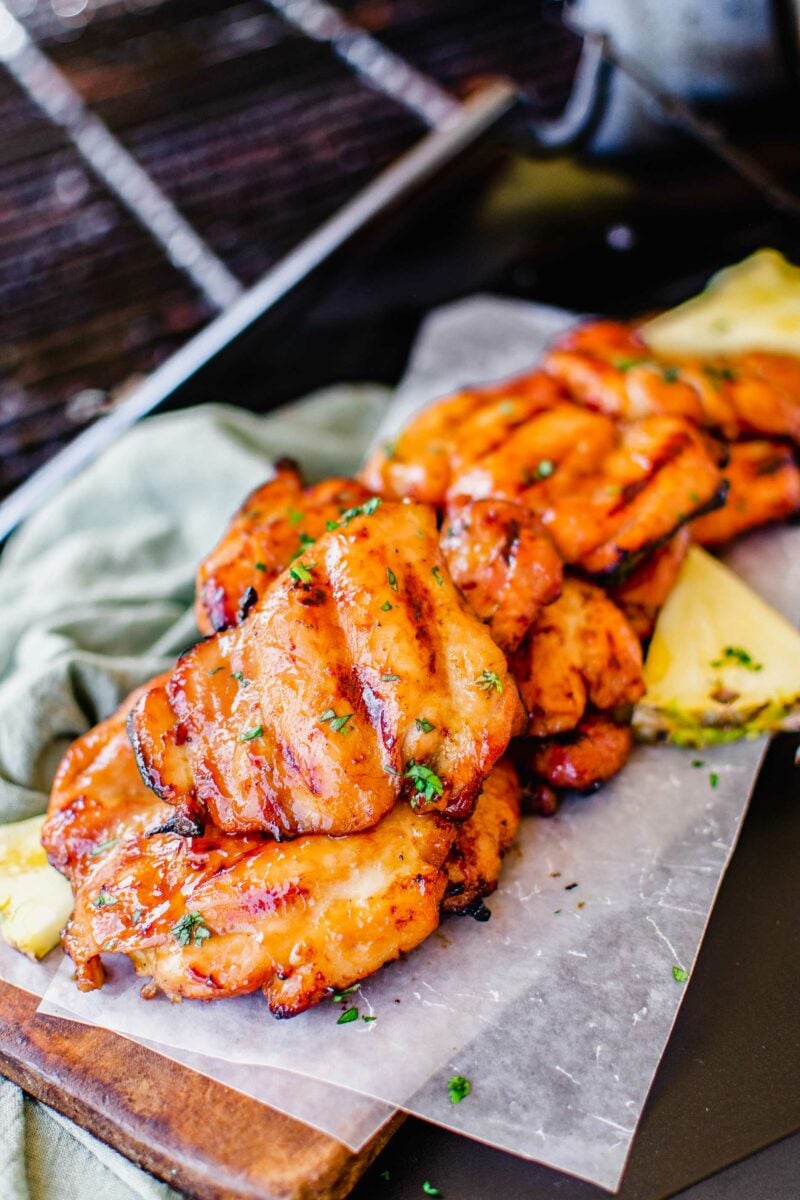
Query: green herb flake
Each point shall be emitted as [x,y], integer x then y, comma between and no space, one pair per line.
[301,572]
[489,681]
[386,606]
[458,1088]
[429,1189]
[736,656]
[136,916]
[436,572]
[679,975]
[385,1175]
[698,762]
[101,849]
[625,364]
[361,510]
[260,566]
[251,734]
[215,670]
[713,779]
[331,525]
[670,374]
[191,928]
[390,770]
[545,468]
[424,725]
[390,678]
[427,782]
[368,1020]
[240,679]
[348,991]
[104,899]
[694,497]
[391,578]
[348,1016]
[295,517]
[337,724]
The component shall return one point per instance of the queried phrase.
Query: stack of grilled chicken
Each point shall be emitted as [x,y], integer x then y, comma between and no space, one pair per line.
[395,666]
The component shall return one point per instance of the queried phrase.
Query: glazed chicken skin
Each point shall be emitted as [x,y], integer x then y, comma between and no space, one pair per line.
[607,494]
[641,596]
[764,486]
[277,523]
[607,366]
[503,562]
[98,796]
[446,436]
[474,862]
[215,916]
[580,654]
[584,758]
[360,679]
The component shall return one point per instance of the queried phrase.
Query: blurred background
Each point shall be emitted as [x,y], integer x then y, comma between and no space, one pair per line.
[157,157]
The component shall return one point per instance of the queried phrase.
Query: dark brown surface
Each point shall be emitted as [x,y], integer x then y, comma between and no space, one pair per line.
[159,1113]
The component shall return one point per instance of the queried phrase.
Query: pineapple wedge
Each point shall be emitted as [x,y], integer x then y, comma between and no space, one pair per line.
[722,664]
[35,900]
[754,305]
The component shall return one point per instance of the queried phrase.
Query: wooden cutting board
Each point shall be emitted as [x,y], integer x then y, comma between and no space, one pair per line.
[197,1135]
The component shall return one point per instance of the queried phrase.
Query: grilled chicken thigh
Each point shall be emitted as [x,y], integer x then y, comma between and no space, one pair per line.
[764,486]
[641,595]
[361,678]
[504,563]
[277,523]
[220,915]
[607,366]
[607,494]
[581,652]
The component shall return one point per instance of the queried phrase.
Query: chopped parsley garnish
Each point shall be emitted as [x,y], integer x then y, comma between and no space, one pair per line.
[294,516]
[679,975]
[368,1020]
[430,1190]
[694,497]
[427,782]
[720,374]
[348,991]
[386,606]
[337,724]
[349,1015]
[713,779]
[423,725]
[385,1175]
[544,469]
[305,541]
[251,734]
[215,670]
[391,578]
[736,656]
[489,681]
[625,364]
[191,928]
[240,678]
[670,374]
[101,849]
[260,566]
[389,769]
[301,572]
[698,762]
[436,572]
[104,899]
[458,1088]
[361,510]
[390,678]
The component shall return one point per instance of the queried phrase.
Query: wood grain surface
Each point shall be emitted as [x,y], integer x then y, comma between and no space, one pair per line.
[201,1137]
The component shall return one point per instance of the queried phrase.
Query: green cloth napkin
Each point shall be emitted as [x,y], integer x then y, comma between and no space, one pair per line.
[96,596]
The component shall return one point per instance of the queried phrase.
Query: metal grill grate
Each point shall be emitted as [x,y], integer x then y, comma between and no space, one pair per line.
[255,132]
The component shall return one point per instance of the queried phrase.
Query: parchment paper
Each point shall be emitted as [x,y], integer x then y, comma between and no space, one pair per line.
[559,1008]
